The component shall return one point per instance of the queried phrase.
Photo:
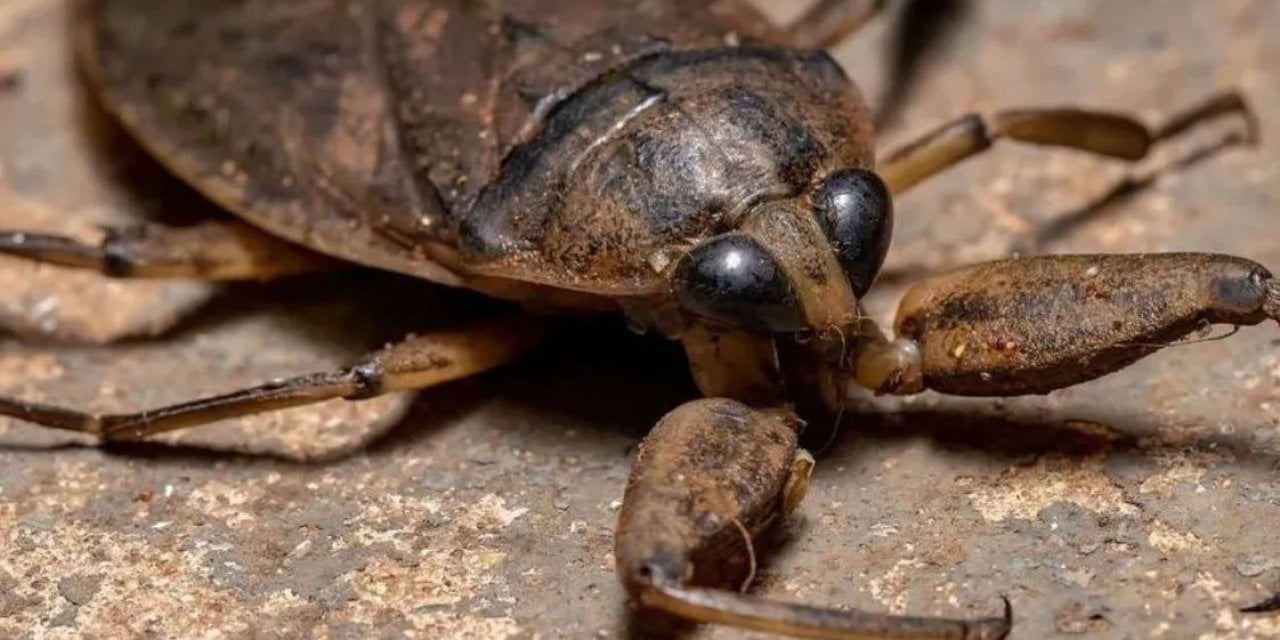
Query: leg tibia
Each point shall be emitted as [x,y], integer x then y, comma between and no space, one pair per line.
[1032,325]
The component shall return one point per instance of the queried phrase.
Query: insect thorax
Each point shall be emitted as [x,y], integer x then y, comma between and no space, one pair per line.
[662,153]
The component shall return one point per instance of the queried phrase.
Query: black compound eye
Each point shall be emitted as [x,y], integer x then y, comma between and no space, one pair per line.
[856,210]
[734,280]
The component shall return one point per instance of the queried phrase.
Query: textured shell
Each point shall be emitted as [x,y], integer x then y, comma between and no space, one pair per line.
[370,130]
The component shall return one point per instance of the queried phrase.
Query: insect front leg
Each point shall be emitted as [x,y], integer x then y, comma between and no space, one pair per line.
[710,477]
[1032,325]
[211,250]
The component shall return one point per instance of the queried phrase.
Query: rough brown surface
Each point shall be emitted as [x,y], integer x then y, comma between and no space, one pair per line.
[1041,323]
[1142,505]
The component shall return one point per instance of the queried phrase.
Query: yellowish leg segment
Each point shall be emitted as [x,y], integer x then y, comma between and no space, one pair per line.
[1107,134]
[415,363]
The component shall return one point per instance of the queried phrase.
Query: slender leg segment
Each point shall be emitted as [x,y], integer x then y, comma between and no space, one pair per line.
[1107,134]
[213,250]
[415,363]
[1032,325]
[710,477]
[829,22]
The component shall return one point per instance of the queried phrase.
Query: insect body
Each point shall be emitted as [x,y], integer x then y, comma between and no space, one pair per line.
[708,174]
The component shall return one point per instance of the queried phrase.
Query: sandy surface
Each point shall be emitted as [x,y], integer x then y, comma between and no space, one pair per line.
[1142,505]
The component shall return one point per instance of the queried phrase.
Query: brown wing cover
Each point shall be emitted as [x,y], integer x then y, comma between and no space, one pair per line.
[362,129]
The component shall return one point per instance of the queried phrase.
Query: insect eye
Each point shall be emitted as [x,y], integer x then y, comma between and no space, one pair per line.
[856,211]
[734,280]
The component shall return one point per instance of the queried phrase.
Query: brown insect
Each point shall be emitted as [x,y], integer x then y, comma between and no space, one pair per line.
[708,174]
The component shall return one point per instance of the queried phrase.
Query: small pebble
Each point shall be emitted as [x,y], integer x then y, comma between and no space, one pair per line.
[302,550]
[435,520]
[1254,566]
[78,589]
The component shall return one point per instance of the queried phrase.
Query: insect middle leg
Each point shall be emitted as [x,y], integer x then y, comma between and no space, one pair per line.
[210,250]
[415,363]
[1108,134]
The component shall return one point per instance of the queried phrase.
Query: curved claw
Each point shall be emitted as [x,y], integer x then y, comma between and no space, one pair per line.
[1269,605]
[1008,616]
[803,621]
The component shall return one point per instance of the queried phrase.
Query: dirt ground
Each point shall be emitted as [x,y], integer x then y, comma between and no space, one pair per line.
[1141,505]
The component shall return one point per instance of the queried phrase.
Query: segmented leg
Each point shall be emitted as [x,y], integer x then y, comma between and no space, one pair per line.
[712,475]
[415,363]
[1108,134]
[214,250]
[1032,325]
[829,22]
